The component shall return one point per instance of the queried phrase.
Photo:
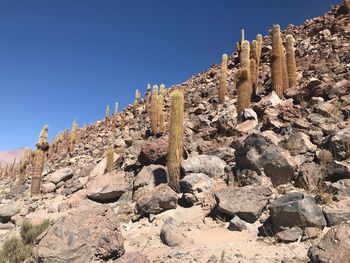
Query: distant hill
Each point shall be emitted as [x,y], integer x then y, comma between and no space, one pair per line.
[8,156]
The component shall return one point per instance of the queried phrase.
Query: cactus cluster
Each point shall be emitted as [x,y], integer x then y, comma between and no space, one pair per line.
[244,87]
[176,139]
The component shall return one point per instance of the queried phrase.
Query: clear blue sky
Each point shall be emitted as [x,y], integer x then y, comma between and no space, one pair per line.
[61,59]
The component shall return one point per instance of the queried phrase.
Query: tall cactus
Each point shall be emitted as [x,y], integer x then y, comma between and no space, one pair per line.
[73,137]
[153,110]
[284,69]
[160,108]
[254,65]
[42,147]
[347,4]
[122,125]
[277,61]
[291,64]
[259,39]
[223,79]
[148,98]
[116,109]
[244,86]
[110,161]
[176,139]
[107,111]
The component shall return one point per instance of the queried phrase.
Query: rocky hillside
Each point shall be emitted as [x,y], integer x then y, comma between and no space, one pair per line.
[271,185]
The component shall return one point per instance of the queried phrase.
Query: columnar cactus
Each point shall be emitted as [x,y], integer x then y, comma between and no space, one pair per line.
[259,39]
[148,98]
[176,139]
[244,85]
[42,147]
[73,137]
[122,125]
[223,79]
[154,111]
[347,4]
[277,61]
[254,65]
[291,64]
[160,108]
[107,112]
[110,161]
[116,109]
[284,69]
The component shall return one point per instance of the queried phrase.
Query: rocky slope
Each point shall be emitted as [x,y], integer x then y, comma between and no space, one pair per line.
[266,189]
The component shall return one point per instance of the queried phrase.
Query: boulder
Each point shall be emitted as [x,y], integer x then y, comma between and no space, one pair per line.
[154,152]
[7,211]
[100,168]
[88,234]
[107,187]
[170,234]
[160,199]
[296,209]
[333,247]
[339,170]
[337,213]
[260,154]
[48,188]
[196,184]
[310,176]
[300,143]
[132,257]
[338,144]
[225,120]
[149,177]
[236,224]
[341,187]
[290,235]
[207,164]
[246,202]
[61,175]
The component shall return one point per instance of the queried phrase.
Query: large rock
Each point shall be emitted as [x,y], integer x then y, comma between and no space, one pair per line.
[196,184]
[333,247]
[89,234]
[160,199]
[296,209]
[259,153]
[61,175]
[154,152]
[132,257]
[337,213]
[170,233]
[341,187]
[310,176]
[300,143]
[289,235]
[207,164]
[246,202]
[149,177]
[7,211]
[107,187]
[100,168]
[338,144]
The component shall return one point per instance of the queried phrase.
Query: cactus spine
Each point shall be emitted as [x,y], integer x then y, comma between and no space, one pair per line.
[244,84]
[42,147]
[161,108]
[110,161]
[154,111]
[223,79]
[291,64]
[176,139]
[277,61]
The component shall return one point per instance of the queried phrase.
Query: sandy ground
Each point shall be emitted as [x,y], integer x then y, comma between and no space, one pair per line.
[204,238]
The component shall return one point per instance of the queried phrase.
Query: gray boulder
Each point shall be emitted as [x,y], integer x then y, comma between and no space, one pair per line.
[337,213]
[107,187]
[61,175]
[296,209]
[7,211]
[333,247]
[196,184]
[236,224]
[87,234]
[170,234]
[246,202]
[160,199]
[207,164]
[259,153]
[290,235]
[338,144]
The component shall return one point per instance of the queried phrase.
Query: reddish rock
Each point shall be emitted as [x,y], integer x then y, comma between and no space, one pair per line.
[154,152]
